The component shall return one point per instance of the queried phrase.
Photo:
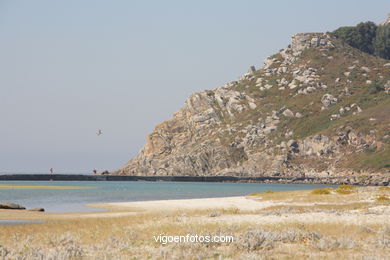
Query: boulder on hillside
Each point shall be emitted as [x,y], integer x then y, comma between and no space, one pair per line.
[298,115]
[328,100]
[387,87]
[288,113]
[252,69]
[293,146]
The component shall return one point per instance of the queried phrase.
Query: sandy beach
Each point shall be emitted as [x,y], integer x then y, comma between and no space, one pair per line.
[130,208]
[239,202]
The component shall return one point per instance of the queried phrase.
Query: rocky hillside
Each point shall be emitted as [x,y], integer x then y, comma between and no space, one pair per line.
[318,107]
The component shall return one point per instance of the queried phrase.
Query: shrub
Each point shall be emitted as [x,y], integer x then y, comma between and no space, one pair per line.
[214,214]
[367,37]
[326,244]
[361,36]
[345,189]
[260,238]
[383,198]
[256,239]
[384,188]
[382,42]
[231,211]
[375,88]
[260,193]
[4,251]
[320,191]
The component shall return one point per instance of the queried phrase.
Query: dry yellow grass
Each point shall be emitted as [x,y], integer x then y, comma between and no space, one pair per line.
[136,233]
[345,189]
[132,236]
[384,188]
[383,198]
[322,207]
[306,196]
[261,193]
[323,191]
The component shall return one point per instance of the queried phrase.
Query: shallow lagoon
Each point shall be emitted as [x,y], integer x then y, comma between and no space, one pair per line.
[74,200]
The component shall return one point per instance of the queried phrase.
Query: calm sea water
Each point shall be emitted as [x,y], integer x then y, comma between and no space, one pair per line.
[74,200]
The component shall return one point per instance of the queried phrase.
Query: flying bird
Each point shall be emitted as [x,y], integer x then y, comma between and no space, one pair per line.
[99,132]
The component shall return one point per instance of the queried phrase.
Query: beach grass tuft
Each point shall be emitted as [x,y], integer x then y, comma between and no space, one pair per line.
[320,191]
[345,189]
[257,194]
[261,193]
[383,198]
[384,188]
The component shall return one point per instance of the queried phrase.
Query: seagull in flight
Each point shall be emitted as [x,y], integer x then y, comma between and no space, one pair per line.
[99,132]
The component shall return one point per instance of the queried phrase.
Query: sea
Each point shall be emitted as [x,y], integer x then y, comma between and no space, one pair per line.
[76,200]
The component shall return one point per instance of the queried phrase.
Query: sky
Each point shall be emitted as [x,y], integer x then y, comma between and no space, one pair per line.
[68,68]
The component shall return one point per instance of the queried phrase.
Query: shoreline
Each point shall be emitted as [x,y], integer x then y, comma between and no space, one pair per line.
[112,209]
[121,209]
[366,180]
[244,203]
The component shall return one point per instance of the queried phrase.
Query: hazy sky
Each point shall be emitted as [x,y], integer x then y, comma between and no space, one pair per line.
[71,67]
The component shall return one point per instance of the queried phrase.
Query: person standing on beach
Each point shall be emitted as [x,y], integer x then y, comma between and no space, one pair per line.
[51,170]
[94,171]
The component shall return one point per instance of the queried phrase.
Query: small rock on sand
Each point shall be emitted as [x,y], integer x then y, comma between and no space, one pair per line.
[7,205]
[37,209]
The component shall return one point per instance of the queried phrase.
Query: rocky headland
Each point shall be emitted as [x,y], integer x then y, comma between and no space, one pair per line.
[318,108]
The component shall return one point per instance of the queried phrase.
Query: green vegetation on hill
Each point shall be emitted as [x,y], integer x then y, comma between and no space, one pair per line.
[367,37]
[382,42]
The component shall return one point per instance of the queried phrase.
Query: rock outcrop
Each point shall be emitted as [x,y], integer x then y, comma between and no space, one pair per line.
[387,21]
[327,100]
[308,110]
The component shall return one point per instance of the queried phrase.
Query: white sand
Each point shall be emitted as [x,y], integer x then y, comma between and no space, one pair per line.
[376,215]
[240,203]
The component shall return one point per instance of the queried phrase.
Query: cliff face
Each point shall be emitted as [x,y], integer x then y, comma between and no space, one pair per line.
[317,107]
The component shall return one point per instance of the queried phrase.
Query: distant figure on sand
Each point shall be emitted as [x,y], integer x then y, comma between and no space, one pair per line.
[94,171]
[51,170]
[99,132]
